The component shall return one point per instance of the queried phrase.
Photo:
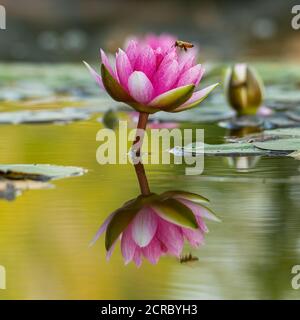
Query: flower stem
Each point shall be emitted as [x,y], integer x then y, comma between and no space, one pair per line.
[137,145]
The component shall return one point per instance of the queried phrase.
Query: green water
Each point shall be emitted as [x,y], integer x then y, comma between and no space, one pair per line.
[44,234]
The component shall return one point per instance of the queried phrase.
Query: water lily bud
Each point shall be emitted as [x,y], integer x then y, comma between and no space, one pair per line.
[243,89]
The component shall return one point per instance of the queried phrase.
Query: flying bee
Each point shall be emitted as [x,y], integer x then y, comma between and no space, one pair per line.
[188,258]
[183,45]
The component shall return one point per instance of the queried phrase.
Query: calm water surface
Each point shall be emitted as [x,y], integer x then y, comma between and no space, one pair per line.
[44,234]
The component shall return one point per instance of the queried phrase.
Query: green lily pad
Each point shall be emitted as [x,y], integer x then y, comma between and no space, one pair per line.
[38,172]
[285,132]
[207,113]
[289,144]
[241,122]
[294,115]
[227,149]
[279,121]
[43,116]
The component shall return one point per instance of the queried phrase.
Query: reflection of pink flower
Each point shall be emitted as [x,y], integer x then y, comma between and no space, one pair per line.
[154,225]
[152,75]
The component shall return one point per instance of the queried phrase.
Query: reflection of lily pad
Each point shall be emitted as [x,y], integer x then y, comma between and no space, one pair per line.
[9,190]
[16,178]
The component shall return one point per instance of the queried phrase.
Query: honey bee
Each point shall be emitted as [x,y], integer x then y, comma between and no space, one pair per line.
[183,45]
[188,258]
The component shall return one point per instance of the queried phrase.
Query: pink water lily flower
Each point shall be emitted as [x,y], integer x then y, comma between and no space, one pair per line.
[155,225]
[152,75]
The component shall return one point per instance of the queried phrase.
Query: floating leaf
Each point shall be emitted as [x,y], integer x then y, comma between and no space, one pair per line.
[290,144]
[227,149]
[294,115]
[206,114]
[38,172]
[241,122]
[292,132]
[43,116]
[279,121]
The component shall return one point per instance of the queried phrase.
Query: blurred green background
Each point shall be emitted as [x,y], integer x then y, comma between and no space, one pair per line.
[70,30]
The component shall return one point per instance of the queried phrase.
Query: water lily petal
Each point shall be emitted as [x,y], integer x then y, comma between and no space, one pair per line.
[194,237]
[107,64]
[173,98]
[170,235]
[95,75]
[175,212]
[110,251]
[124,68]
[187,60]
[196,98]
[153,251]
[146,61]
[159,56]
[144,227]
[201,224]
[137,258]
[166,76]
[164,41]
[131,52]
[113,88]
[140,87]
[102,229]
[128,246]
[200,210]
[200,77]
[191,76]
[119,222]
